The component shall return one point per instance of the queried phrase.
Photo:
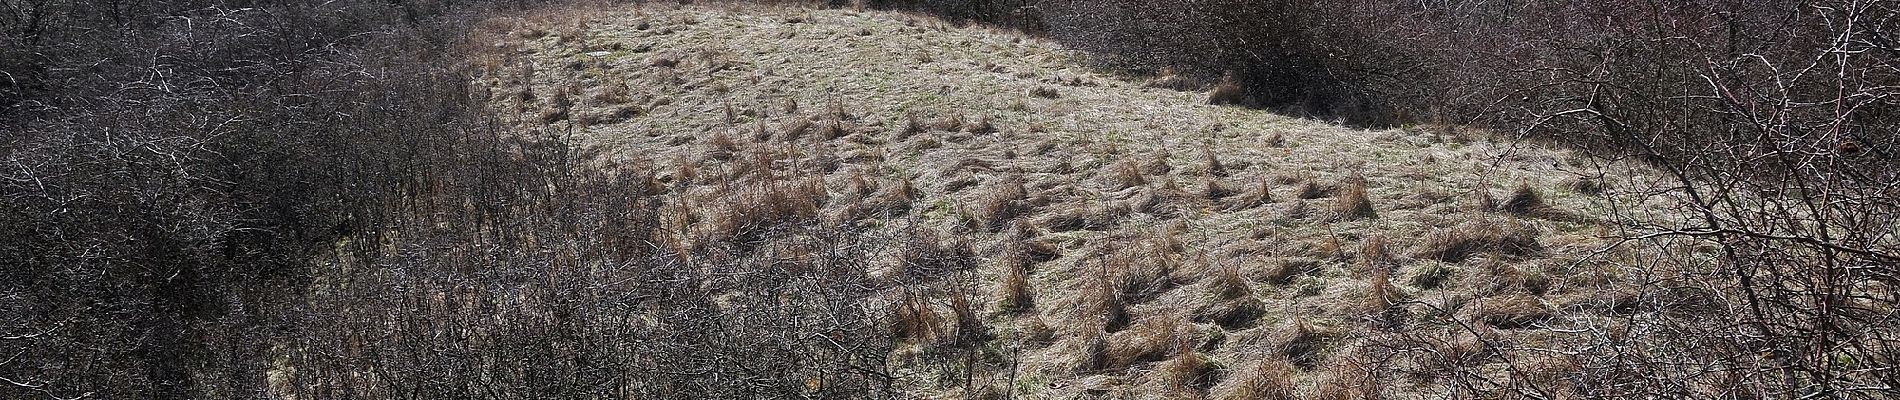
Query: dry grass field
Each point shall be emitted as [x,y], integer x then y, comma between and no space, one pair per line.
[1135,241]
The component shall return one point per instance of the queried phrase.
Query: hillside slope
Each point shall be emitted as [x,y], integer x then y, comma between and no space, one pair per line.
[1132,240]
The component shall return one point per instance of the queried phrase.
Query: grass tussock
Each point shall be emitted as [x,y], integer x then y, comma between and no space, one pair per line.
[1213,167]
[1013,292]
[1126,174]
[1214,190]
[916,321]
[1483,236]
[1227,92]
[1228,283]
[1351,202]
[1269,379]
[1524,201]
[1002,204]
[1188,372]
[1150,341]
[1302,343]
[1509,311]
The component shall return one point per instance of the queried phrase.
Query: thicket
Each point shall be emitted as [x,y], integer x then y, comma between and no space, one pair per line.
[237,199]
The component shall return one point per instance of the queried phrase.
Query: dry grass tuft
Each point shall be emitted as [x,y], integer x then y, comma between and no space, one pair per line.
[948,123]
[1014,294]
[1188,372]
[1228,284]
[796,129]
[1509,312]
[1213,189]
[1003,203]
[1351,203]
[1283,271]
[1261,194]
[1170,79]
[1214,167]
[917,322]
[1126,174]
[1476,237]
[1151,341]
[1227,92]
[1524,201]
[1309,190]
[1302,343]
[1268,379]
[970,327]
[979,125]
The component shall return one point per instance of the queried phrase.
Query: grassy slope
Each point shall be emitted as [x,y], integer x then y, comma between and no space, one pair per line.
[683,81]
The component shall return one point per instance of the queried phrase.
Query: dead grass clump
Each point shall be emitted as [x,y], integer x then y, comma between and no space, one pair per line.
[1261,194]
[1044,92]
[1459,243]
[1188,371]
[1227,92]
[917,322]
[1014,295]
[1236,314]
[979,125]
[721,146]
[795,129]
[1302,343]
[1309,190]
[1002,204]
[1524,201]
[1170,79]
[1351,202]
[1509,312]
[1214,166]
[1269,379]
[1126,174]
[1283,271]
[948,123]
[1148,342]
[970,327]
[1228,283]
[1213,189]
